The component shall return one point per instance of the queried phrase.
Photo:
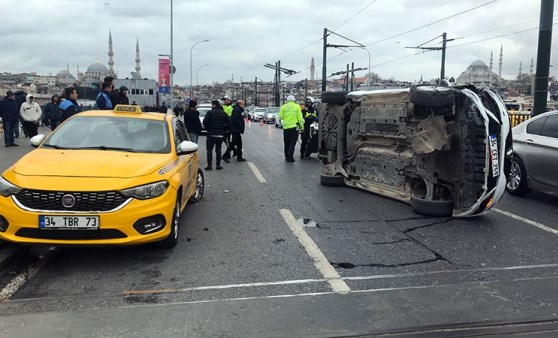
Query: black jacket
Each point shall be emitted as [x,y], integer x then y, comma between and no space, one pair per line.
[237,121]
[192,121]
[51,113]
[9,110]
[216,121]
[122,99]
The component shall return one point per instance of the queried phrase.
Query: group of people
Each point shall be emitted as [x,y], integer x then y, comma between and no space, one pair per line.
[29,113]
[109,96]
[224,123]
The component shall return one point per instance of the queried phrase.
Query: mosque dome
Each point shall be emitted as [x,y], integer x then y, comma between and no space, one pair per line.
[97,68]
[478,64]
[478,74]
[64,73]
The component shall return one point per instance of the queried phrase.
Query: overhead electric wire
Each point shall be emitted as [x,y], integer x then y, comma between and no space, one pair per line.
[357,13]
[431,23]
[496,37]
[320,39]
[498,29]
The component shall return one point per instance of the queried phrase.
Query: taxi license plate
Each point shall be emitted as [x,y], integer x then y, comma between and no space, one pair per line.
[69,222]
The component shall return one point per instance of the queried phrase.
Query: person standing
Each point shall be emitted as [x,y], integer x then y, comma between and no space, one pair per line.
[103,100]
[69,106]
[216,121]
[309,115]
[227,108]
[123,95]
[291,116]
[51,115]
[237,129]
[20,97]
[31,114]
[192,121]
[10,118]
[112,93]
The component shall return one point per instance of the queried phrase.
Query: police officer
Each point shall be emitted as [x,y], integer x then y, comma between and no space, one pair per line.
[309,115]
[291,116]
[227,108]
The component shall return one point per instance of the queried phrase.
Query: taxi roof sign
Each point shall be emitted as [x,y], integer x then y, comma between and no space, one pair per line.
[125,108]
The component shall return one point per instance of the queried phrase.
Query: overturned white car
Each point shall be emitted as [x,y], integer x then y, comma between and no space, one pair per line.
[444,150]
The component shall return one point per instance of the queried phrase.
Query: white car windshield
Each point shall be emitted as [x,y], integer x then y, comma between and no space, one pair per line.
[111,133]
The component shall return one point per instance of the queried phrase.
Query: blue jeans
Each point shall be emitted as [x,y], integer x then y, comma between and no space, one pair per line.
[194,137]
[10,128]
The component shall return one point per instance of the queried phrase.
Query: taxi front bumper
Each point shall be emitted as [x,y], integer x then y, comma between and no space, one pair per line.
[115,227]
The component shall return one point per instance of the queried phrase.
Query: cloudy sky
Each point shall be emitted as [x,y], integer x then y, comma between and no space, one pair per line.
[44,36]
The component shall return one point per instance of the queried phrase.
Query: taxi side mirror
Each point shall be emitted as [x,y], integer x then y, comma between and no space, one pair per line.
[187,147]
[37,140]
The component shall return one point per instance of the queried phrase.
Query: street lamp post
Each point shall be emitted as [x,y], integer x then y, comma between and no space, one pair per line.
[198,71]
[368,75]
[171,63]
[191,49]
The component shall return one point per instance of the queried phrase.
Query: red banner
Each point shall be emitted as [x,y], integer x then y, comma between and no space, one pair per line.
[164,76]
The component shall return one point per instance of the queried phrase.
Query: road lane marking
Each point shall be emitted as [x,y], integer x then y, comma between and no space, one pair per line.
[221,287]
[528,221]
[320,260]
[17,282]
[256,172]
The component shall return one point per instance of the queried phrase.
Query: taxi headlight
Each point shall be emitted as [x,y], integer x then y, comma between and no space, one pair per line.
[7,189]
[147,191]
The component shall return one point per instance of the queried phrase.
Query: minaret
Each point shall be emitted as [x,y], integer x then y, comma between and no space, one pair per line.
[500,64]
[531,68]
[110,55]
[138,68]
[312,70]
[490,69]
[520,69]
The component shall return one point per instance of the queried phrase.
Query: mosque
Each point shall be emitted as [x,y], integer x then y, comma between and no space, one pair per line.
[141,91]
[479,74]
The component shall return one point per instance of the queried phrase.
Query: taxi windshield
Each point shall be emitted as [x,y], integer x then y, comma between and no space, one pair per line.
[111,133]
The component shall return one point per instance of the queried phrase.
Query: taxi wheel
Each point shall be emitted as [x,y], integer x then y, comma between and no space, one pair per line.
[171,241]
[200,187]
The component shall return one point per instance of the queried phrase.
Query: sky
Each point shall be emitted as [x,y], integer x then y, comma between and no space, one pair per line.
[44,36]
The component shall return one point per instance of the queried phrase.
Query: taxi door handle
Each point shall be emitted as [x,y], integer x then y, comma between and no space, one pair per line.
[529,141]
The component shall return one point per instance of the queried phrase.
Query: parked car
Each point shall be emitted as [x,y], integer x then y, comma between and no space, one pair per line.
[258,114]
[203,109]
[106,177]
[444,150]
[534,164]
[270,115]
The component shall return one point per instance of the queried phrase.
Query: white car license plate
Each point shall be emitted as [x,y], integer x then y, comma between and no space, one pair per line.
[494,156]
[69,222]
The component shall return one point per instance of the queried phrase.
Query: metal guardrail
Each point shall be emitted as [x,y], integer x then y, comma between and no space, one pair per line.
[518,117]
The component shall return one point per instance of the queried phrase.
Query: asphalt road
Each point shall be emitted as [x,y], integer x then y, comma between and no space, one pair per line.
[271,252]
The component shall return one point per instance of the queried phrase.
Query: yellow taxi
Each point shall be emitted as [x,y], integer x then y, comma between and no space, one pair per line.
[105,177]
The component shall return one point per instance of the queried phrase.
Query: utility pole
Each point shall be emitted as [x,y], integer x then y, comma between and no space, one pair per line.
[278,70]
[324,61]
[256,91]
[347,72]
[443,49]
[543,57]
